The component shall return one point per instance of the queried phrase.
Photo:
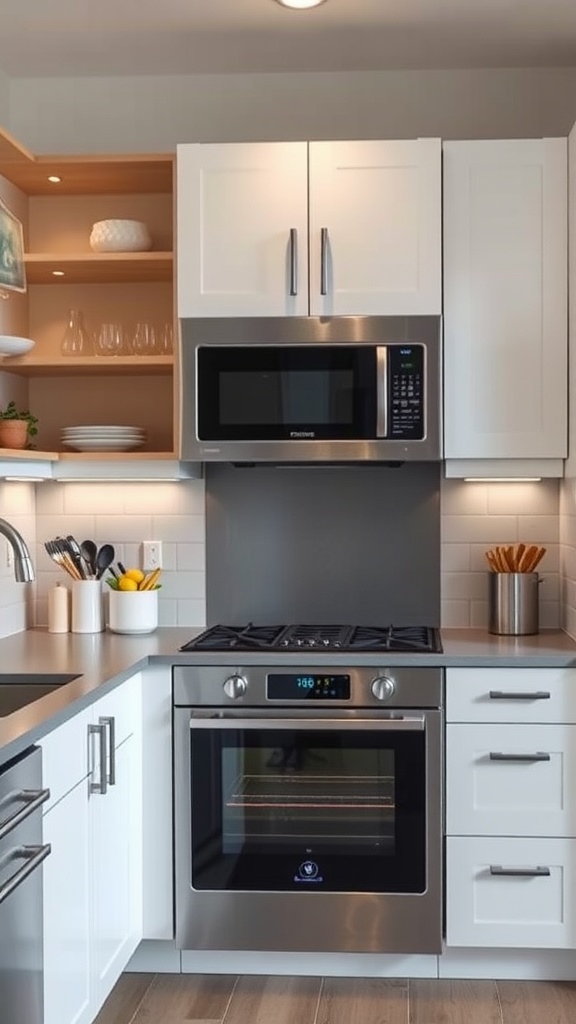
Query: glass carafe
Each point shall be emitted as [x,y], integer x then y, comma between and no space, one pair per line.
[76,340]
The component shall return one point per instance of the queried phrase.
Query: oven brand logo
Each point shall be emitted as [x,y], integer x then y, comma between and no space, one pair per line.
[302,433]
[308,872]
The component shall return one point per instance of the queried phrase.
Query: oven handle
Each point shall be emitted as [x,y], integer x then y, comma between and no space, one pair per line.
[210,720]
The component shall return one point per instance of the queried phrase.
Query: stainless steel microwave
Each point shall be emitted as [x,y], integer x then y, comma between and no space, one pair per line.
[310,389]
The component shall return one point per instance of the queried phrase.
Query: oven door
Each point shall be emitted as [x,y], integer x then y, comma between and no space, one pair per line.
[304,807]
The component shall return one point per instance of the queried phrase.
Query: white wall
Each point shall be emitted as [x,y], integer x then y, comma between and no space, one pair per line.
[146,113]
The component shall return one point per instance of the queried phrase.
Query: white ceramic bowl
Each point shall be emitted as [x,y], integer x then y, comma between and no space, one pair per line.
[13,346]
[120,236]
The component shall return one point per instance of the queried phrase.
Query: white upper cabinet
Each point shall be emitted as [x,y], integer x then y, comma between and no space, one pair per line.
[375,228]
[366,215]
[505,299]
[242,222]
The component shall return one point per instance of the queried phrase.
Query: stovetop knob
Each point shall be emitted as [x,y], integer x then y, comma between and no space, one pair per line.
[383,688]
[235,687]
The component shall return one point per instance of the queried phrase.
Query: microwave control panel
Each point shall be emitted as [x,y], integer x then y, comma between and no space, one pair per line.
[407,385]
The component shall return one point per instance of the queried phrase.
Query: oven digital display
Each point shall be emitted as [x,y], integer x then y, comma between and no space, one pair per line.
[313,686]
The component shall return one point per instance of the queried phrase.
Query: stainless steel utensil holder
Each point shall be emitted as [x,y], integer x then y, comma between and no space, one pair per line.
[513,603]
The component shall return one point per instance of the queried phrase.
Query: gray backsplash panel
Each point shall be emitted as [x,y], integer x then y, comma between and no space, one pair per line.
[346,544]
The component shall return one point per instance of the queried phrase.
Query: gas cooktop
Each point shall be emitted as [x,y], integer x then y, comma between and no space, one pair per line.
[417,639]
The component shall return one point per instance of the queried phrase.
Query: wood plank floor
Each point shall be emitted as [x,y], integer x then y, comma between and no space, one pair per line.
[227,999]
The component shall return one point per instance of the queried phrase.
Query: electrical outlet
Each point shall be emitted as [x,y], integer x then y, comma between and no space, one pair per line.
[151,555]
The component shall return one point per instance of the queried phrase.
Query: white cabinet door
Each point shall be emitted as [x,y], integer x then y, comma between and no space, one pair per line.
[67,988]
[375,227]
[511,780]
[242,220]
[157,828]
[505,299]
[511,892]
[115,838]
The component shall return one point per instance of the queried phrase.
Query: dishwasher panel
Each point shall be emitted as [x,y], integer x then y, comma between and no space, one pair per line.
[21,854]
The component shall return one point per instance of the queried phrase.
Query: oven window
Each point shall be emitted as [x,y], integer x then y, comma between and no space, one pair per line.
[289,809]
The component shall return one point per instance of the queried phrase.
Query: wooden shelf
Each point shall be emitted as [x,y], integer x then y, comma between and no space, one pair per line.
[65,366]
[139,456]
[99,268]
[83,175]
[27,453]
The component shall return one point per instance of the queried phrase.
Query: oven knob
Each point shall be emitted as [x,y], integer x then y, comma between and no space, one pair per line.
[235,687]
[383,688]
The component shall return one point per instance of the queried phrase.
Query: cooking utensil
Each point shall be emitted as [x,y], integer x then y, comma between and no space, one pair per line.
[77,556]
[104,559]
[89,551]
[62,558]
[515,557]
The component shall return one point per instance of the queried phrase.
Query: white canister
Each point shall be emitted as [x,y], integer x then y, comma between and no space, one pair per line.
[58,609]
[133,611]
[87,610]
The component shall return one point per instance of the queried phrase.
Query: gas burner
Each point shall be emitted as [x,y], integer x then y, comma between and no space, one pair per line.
[417,639]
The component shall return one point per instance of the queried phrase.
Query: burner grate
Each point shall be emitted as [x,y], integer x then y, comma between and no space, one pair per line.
[321,638]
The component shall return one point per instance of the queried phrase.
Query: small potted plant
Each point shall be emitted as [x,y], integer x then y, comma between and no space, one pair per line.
[17,426]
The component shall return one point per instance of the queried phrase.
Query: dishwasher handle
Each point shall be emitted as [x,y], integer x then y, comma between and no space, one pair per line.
[33,855]
[33,799]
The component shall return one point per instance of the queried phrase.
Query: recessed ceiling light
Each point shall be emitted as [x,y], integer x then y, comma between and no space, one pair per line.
[58,273]
[300,4]
[54,179]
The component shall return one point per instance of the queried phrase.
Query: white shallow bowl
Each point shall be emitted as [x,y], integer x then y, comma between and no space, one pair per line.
[13,346]
[120,236]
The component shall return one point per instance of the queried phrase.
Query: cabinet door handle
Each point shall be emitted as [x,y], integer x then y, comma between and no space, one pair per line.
[293,261]
[497,869]
[34,799]
[518,695]
[110,722]
[539,756]
[100,786]
[323,261]
[33,855]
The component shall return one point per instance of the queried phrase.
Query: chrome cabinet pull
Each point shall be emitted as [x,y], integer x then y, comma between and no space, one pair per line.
[539,756]
[506,695]
[110,722]
[323,261]
[293,261]
[100,786]
[34,799]
[497,869]
[34,855]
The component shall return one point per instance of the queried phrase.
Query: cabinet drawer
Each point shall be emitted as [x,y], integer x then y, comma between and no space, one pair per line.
[511,695]
[511,892]
[511,780]
[64,758]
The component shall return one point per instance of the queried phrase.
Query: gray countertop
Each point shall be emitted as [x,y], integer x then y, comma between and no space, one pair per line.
[103,660]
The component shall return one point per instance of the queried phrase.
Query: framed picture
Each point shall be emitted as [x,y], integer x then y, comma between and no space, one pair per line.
[12,269]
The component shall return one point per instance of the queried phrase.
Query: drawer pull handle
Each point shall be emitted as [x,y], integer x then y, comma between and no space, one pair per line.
[518,695]
[293,261]
[497,869]
[539,756]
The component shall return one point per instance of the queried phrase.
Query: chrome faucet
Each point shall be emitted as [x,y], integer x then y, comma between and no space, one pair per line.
[23,568]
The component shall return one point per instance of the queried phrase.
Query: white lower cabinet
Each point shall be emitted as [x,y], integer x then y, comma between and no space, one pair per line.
[511,892]
[93,877]
[511,808]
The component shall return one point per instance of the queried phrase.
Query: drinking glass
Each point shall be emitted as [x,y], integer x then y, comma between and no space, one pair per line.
[110,340]
[144,340]
[166,340]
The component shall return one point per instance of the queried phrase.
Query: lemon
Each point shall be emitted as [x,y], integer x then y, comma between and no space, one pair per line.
[134,574]
[127,583]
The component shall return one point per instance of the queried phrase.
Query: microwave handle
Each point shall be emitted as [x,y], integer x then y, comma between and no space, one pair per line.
[381,391]
[293,261]
[323,261]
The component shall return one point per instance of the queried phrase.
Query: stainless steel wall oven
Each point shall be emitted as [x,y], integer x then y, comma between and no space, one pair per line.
[308,811]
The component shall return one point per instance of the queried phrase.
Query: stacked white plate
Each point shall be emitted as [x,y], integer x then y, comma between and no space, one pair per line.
[107,438]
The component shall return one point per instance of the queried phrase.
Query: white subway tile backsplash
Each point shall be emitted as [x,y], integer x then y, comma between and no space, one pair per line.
[188,556]
[458,586]
[490,529]
[460,499]
[457,558]
[455,614]
[538,499]
[538,529]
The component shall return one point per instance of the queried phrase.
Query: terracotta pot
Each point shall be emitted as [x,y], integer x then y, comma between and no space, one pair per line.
[13,433]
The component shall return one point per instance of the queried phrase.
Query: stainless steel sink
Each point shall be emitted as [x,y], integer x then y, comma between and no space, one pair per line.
[17,689]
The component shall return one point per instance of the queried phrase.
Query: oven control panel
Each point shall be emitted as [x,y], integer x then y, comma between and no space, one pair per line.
[307,686]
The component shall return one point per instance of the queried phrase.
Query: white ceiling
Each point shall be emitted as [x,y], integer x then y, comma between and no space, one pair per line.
[41,38]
